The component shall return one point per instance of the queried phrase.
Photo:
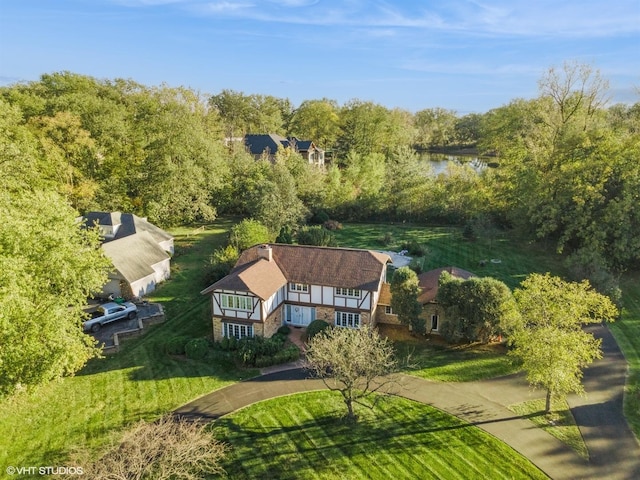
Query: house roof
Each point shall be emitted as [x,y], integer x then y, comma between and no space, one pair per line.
[257,144]
[333,267]
[428,281]
[127,224]
[134,255]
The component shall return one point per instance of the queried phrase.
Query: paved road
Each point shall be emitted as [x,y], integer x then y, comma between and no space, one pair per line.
[615,453]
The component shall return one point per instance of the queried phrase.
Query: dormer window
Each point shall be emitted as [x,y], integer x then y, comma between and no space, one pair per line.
[298,287]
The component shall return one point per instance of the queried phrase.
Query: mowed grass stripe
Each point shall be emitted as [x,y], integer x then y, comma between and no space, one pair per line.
[397,439]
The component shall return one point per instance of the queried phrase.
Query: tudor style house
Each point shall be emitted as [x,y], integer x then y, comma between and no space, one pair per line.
[274,285]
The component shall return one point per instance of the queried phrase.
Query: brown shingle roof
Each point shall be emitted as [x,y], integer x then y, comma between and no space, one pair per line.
[428,281]
[333,267]
[261,277]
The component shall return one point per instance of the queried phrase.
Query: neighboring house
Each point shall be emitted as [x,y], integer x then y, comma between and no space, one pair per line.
[260,145]
[433,312]
[140,252]
[274,285]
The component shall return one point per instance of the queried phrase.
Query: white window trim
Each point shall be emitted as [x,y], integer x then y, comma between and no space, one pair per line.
[237,330]
[437,319]
[388,310]
[348,292]
[347,319]
[236,302]
[299,287]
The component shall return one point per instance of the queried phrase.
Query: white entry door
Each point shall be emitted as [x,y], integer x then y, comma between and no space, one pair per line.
[300,316]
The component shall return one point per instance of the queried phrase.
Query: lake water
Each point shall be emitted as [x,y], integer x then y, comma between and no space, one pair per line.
[440,161]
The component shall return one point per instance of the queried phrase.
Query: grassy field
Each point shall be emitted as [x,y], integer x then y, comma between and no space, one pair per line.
[446,247]
[39,428]
[305,436]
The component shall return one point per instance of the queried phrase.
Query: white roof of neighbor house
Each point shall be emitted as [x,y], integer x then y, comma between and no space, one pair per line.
[127,224]
[134,255]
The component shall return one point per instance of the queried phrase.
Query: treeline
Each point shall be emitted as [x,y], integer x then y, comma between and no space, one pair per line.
[567,163]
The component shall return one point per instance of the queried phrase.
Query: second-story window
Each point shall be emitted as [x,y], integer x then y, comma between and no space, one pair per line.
[298,287]
[348,292]
[236,302]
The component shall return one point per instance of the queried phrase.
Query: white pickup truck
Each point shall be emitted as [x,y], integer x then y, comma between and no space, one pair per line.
[109,312]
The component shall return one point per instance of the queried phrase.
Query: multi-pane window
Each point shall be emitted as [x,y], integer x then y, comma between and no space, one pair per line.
[237,330]
[236,302]
[298,287]
[388,310]
[348,319]
[348,292]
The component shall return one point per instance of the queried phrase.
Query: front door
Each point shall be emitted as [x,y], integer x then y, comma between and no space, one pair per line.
[300,316]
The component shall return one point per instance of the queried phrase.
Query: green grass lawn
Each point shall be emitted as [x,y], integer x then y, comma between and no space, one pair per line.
[447,247]
[40,427]
[627,333]
[559,422]
[305,436]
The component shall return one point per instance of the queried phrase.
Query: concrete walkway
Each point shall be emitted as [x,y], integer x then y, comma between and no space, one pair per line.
[615,453]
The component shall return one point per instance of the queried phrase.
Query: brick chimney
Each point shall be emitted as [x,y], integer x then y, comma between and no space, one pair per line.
[265,251]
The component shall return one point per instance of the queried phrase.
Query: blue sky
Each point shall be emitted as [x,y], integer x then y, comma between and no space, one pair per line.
[468,56]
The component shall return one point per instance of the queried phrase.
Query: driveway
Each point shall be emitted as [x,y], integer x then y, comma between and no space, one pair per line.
[105,334]
[615,453]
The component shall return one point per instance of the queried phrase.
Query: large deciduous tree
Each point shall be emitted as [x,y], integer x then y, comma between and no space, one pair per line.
[353,362]
[404,298]
[48,267]
[549,339]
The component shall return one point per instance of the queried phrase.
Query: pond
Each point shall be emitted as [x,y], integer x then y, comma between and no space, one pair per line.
[440,161]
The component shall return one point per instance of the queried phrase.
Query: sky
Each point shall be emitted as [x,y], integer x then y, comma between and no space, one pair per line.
[462,55]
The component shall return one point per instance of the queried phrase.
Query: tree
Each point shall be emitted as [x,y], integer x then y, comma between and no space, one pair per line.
[316,120]
[247,233]
[549,339]
[169,448]
[477,309]
[48,267]
[404,298]
[351,361]
[316,235]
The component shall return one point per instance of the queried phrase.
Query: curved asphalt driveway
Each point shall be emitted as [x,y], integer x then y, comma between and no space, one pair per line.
[615,453]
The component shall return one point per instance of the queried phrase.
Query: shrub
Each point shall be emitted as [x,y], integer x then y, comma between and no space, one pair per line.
[196,348]
[315,328]
[415,249]
[167,448]
[386,239]
[229,344]
[284,330]
[318,236]
[332,225]
[247,233]
[250,348]
[319,217]
[221,262]
[176,345]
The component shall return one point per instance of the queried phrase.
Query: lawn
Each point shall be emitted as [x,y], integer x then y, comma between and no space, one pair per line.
[40,427]
[627,333]
[447,247]
[306,436]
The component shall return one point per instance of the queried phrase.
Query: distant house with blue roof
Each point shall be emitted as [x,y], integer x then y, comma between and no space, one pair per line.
[261,145]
